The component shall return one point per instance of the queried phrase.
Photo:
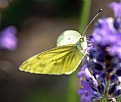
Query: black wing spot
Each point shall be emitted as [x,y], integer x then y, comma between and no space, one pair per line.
[69,38]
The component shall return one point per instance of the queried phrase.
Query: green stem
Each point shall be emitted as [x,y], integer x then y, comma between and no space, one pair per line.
[106,90]
[84,15]
[72,89]
[118,99]
[72,95]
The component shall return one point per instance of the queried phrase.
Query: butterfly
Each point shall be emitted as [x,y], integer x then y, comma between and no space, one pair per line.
[63,59]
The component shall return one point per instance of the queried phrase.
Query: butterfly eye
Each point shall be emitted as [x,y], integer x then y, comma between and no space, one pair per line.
[81,40]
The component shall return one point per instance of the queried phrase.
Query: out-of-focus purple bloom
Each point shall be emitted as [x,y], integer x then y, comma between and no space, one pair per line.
[8,38]
[116,7]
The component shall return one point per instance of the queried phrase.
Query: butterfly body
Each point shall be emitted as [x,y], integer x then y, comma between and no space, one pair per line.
[64,59]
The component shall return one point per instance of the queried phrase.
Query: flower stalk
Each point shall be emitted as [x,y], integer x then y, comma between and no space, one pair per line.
[106,90]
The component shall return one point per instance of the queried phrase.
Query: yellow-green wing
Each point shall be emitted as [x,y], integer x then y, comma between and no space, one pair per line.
[56,61]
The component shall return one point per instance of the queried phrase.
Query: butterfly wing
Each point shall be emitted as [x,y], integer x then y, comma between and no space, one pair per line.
[56,61]
[68,37]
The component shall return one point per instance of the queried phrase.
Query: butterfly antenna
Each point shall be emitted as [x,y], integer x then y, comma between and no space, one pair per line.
[91,22]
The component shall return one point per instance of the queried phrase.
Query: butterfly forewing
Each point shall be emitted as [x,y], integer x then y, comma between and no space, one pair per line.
[56,61]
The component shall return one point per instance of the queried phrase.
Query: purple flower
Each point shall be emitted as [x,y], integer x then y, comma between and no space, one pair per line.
[116,7]
[100,75]
[105,33]
[89,85]
[105,56]
[86,93]
[84,73]
[8,38]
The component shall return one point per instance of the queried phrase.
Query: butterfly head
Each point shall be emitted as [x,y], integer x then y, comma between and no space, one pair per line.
[82,43]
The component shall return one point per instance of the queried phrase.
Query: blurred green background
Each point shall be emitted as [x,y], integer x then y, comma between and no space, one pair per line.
[38,23]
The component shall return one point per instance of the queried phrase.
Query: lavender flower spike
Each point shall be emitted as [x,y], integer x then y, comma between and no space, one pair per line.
[100,78]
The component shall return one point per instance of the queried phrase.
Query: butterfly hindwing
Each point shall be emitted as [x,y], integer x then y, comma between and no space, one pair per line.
[56,61]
